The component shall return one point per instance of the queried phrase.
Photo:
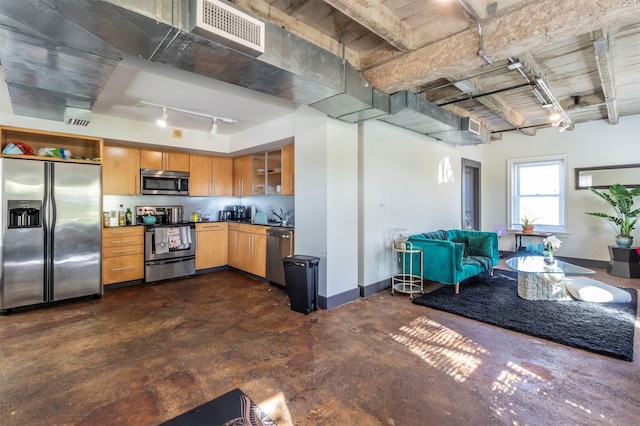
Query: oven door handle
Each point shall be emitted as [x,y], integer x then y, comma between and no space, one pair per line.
[164,262]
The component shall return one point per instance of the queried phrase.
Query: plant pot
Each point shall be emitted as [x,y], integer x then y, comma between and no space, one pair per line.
[624,241]
[527,229]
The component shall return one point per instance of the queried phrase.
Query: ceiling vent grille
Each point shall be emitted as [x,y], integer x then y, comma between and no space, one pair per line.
[77,116]
[229,24]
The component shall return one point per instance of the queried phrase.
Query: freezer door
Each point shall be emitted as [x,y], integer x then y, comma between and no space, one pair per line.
[22,250]
[76,227]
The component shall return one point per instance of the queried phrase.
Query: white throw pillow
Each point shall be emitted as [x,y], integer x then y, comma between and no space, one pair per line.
[590,290]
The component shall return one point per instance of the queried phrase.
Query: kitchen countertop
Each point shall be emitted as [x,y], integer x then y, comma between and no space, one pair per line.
[271,225]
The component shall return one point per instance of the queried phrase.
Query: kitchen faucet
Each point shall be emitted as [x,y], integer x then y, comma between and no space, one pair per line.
[280,216]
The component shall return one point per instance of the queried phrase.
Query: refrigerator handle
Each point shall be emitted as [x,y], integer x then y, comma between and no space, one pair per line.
[48,219]
[52,198]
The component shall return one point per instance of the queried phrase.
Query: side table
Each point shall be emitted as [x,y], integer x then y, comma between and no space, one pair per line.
[518,236]
[625,262]
[403,279]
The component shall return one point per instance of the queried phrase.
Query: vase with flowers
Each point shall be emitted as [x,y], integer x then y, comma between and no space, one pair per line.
[551,244]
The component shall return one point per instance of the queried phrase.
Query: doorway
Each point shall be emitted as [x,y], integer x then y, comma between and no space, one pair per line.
[470,194]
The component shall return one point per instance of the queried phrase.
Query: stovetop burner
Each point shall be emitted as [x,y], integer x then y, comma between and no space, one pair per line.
[165,215]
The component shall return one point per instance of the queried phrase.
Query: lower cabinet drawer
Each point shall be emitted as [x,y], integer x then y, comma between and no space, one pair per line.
[122,251]
[122,268]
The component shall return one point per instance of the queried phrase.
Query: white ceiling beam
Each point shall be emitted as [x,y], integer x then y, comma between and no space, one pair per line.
[603,48]
[376,17]
[534,25]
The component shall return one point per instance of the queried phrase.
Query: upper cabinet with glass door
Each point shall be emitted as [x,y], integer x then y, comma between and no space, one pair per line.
[267,173]
[274,172]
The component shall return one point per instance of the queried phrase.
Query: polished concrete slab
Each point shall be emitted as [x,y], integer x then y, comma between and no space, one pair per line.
[146,353]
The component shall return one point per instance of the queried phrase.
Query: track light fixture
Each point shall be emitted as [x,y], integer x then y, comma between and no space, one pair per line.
[162,122]
[559,118]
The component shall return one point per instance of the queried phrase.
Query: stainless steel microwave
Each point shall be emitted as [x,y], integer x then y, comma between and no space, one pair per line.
[164,182]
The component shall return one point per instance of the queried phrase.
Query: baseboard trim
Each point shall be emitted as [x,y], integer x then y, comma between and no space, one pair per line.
[370,289]
[338,299]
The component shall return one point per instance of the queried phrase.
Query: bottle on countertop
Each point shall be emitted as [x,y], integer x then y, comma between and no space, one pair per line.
[128,217]
[122,221]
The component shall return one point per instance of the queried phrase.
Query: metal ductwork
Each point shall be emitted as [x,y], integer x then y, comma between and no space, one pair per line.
[412,112]
[357,101]
[49,62]
[469,132]
[84,41]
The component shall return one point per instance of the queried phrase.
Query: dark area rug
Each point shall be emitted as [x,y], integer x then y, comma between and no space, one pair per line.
[232,408]
[604,328]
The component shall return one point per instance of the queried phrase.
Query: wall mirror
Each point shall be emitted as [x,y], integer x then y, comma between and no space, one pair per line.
[605,176]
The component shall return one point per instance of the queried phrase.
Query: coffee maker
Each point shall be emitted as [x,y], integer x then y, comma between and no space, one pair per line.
[240,213]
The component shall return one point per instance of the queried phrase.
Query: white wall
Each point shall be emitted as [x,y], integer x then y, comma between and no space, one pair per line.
[590,144]
[326,198]
[408,181]
[342,207]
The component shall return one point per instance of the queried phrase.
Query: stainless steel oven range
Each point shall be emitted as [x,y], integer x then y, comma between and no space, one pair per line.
[169,248]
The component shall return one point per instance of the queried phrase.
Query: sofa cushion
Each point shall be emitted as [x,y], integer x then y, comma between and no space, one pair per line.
[436,235]
[479,246]
[466,251]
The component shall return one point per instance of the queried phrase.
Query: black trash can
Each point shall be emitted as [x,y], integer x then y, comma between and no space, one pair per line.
[301,282]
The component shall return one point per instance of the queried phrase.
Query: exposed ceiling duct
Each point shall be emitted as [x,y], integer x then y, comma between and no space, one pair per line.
[77,116]
[89,38]
[412,112]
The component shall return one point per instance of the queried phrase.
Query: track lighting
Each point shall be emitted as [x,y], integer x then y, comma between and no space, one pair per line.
[162,122]
[555,116]
[549,101]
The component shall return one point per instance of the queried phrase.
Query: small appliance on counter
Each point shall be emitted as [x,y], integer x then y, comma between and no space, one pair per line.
[260,219]
[240,213]
[225,215]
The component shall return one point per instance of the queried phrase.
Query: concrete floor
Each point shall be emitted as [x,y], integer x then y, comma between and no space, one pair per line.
[146,353]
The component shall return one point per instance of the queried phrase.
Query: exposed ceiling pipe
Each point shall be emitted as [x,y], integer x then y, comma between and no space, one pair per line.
[481,95]
[477,19]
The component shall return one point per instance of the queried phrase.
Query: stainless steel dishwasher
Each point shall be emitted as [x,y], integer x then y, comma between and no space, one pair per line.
[279,245]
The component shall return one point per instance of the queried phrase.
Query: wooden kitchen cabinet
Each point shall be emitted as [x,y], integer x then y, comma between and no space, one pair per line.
[233,250]
[120,170]
[288,170]
[211,245]
[164,160]
[248,248]
[122,254]
[242,170]
[210,176]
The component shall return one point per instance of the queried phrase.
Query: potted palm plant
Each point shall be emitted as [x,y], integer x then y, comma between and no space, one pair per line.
[621,200]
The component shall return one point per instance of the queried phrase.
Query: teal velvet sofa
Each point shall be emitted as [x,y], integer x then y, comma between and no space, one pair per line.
[454,255]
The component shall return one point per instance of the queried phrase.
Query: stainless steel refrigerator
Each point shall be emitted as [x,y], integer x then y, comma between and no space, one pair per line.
[50,248]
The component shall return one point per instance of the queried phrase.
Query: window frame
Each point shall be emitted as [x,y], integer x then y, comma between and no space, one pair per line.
[512,196]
